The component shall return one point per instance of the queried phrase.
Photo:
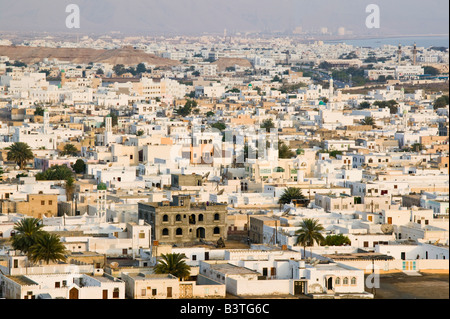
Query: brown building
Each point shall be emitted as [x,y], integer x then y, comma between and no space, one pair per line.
[36,205]
[182,222]
[257,224]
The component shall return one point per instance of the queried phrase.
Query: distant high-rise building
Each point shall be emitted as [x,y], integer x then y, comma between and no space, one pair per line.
[415,54]
[399,54]
[341,31]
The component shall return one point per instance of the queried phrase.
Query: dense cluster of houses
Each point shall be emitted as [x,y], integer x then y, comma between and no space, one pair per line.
[162,175]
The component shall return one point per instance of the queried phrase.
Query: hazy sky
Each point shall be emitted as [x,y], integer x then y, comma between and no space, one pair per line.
[403,17]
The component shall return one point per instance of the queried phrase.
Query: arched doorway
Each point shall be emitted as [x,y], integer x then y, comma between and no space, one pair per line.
[201,232]
[73,293]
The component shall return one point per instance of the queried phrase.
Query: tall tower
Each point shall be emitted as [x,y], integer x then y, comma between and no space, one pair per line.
[331,89]
[108,130]
[399,54]
[46,121]
[415,54]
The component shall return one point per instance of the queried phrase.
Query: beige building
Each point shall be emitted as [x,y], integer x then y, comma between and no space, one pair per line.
[36,205]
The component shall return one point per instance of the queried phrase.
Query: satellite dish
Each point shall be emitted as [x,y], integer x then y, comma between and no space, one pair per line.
[114,265]
[387,229]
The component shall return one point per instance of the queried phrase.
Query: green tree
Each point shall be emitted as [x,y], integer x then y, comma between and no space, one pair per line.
[69,149]
[219,125]
[364,105]
[100,72]
[291,193]
[336,240]
[79,167]
[20,153]
[310,232]
[55,173]
[210,113]
[440,102]
[39,111]
[26,232]
[119,69]
[284,151]
[268,124]
[47,248]
[140,133]
[140,68]
[368,120]
[187,108]
[69,187]
[173,264]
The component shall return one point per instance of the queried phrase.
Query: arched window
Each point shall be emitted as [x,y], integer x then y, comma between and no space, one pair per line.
[200,217]
[353,281]
[338,281]
[216,216]
[178,218]
[165,218]
[216,230]
[165,232]
[345,281]
[179,232]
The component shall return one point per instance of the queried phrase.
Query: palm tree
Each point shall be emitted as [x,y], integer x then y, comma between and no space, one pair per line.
[173,264]
[309,232]
[289,194]
[20,153]
[368,120]
[48,247]
[69,186]
[27,230]
[284,151]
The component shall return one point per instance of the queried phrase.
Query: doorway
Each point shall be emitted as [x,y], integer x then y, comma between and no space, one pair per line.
[200,232]
[329,283]
[299,288]
[73,293]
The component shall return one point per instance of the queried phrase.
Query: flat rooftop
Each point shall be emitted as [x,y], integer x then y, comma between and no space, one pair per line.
[230,269]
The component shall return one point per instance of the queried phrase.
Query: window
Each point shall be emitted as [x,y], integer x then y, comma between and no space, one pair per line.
[216,216]
[338,281]
[50,202]
[345,281]
[200,217]
[143,292]
[179,232]
[57,284]
[353,281]
[42,202]
[165,232]
[154,292]
[165,218]
[178,218]
[116,293]
[141,235]
[216,230]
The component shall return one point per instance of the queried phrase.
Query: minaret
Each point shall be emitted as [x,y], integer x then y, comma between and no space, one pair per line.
[415,54]
[108,129]
[331,89]
[46,121]
[399,53]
